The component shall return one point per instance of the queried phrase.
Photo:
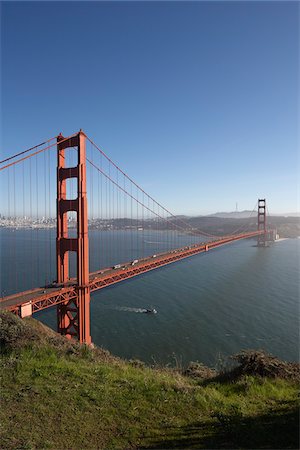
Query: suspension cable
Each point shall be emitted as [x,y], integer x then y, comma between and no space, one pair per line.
[26,151]
[35,153]
[142,190]
[137,200]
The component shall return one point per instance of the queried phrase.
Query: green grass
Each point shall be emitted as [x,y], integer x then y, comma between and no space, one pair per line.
[58,395]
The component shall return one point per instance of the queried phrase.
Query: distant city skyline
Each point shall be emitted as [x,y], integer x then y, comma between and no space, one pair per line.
[197,101]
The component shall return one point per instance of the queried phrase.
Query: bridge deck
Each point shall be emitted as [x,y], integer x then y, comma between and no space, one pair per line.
[44,297]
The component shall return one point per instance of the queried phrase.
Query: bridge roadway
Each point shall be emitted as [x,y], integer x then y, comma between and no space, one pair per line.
[28,302]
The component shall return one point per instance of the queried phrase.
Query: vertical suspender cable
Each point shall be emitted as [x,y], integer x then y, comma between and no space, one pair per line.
[106,222]
[10,283]
[101,214]
[99,230]
[92,190]
[15,228]
[125,215]
[23,213]
[137,224]
[131,213]
[38,224]
[45,224]
[31,222]
[143,243]
[50,222]
[110,216]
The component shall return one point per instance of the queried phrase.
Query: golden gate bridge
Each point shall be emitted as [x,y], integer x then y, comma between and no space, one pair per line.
[116,202]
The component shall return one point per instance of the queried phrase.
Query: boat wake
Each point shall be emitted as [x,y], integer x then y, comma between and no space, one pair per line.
[136,310]
[128,309]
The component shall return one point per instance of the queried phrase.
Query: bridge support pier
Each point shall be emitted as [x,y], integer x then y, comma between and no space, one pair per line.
[25,310]
[73,317]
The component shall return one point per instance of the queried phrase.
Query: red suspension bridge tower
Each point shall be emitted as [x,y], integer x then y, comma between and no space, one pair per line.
[262,222]
[73,316]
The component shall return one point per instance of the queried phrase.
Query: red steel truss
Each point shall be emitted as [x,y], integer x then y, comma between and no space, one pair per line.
[68,295]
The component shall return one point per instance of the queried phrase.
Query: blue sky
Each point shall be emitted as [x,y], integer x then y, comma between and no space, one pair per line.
[197,101]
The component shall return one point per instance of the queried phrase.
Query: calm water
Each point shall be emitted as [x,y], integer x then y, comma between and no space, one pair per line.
[209,306]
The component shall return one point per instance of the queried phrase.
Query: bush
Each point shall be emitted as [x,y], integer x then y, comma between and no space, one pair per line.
[12,328]
[253,362]
[198,370]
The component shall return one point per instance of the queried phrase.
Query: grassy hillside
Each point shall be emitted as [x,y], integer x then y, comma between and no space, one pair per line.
[59,395]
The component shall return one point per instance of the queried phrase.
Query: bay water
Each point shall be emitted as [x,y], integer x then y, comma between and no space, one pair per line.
[209,306]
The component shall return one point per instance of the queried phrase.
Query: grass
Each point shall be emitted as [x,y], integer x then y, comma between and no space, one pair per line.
[60,395]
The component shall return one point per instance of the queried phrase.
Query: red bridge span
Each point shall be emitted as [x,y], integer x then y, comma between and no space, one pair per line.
[71,295]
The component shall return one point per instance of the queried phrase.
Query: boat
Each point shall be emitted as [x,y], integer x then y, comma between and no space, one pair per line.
[150,311]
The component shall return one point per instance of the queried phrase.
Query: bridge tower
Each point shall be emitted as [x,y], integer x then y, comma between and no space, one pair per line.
[73,316]
[262,222]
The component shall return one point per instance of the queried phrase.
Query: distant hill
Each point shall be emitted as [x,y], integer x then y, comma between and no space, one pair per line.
[233,215]
[244,214]
[227,223]
[218,224]
[297,214]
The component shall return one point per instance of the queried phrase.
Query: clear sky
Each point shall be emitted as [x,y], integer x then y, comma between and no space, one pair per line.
[197,101]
